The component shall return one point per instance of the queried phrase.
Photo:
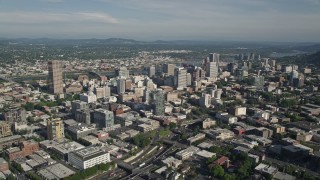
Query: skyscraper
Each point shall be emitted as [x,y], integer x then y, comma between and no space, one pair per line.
[259,82]
[55,129]
[121,86]
[294,74]
[157,101]
[212,65]
[152,71]
[205,100]
[169,69]
[123,72]
[103,118]
[214,57]
[55,77]
[198,74]
[213,70]
[298,81]
[102,92]
[180,78]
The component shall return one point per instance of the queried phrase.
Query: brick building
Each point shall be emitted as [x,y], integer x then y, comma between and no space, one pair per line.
[25,148]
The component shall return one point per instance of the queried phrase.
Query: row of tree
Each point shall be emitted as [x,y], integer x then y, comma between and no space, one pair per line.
[90,171]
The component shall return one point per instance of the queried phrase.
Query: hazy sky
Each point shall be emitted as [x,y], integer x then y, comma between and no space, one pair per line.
[253,20]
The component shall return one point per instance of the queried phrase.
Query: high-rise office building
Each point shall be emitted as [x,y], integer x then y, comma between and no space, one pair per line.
[15,115]
[77,104]
[211,65]
[205,100]
[123,72]
[273,63]
[121,86]
[102,92]
[169,69]
[5,129]
[213,70]
[103,118]
[180,78]
[198,74]
[157,100]
[189,79]
[214,57]
[259,82]
[152,71]
[294,74]
[83,116]
[55,129]
[55,77]
[299,81]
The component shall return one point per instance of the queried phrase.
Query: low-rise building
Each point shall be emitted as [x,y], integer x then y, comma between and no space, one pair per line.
[196,138]
[304,137]
[186,153]
[55,171]
[207,123]
[125,119]
[226,118]
[203,154]
[276,128]
[5,129]
[261,140]
[238,111]
[81,130]
[261,131]
[88,157]
[205,145]
[296,151]
[265,169]
[219,134]
[63,149]
[172,162]
[90,139]
[25,148]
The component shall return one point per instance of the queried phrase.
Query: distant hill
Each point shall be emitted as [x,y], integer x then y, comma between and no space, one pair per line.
[123,41]
[313,58]
[310,59]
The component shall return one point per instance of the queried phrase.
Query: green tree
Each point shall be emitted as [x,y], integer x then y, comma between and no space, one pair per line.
[172,125]
[308,176]
[210,160]
[141,140]
[10,177]
[29,106]
[288,102]
[217,171]
[290,169]
[229,177]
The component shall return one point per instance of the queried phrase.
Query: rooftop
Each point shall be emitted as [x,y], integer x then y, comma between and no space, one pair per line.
[60,170]
[89,152]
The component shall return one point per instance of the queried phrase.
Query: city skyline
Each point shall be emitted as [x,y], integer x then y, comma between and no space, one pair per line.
[244,20]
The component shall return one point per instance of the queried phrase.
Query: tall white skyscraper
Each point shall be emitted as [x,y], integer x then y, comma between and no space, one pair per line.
[214,57]
[123,72]
[152,71]
[169,69]
[180,78]
[212,65]
[213,70]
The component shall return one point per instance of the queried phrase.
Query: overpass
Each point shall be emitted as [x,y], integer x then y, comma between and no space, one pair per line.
[126,166]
